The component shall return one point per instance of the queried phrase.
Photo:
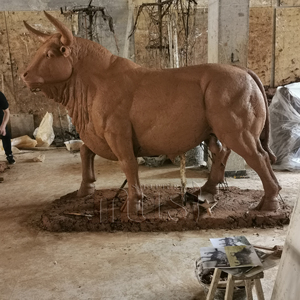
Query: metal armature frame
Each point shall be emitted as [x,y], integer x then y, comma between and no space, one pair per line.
[164,17]
[90,11]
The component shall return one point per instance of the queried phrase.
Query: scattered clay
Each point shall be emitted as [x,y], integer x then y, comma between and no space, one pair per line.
[3,167]
[39,158]
[101,212]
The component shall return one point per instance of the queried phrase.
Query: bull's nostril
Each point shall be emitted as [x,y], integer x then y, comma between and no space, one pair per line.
[25,74]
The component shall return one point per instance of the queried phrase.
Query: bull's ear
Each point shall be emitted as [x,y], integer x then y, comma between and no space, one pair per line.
[66,34]
[42,36]
[65,51]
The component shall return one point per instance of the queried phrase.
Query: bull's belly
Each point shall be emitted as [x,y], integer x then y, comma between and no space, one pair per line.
[172,140]
[170,134]
[168,116]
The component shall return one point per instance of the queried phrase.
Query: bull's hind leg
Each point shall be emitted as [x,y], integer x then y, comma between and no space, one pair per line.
[88,175]
[249,147]
[219,158]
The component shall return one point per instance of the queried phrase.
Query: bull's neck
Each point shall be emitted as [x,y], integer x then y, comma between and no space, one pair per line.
[91,64]
[91,56]
[75,96]
[95,60]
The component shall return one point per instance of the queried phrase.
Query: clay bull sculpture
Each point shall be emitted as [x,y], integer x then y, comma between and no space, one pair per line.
[122,110]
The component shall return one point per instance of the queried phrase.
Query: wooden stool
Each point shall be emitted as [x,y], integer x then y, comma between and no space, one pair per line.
[233,281]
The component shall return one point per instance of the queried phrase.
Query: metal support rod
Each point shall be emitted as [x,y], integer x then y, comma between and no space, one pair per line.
[183,178]
[160,29]
[120,189]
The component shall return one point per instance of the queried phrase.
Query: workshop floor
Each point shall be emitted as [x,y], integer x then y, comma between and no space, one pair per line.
[35,264]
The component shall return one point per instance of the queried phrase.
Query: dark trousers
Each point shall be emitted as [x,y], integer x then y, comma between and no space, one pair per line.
[6,140]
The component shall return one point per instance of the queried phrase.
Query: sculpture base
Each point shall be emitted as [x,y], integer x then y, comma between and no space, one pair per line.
[101,212]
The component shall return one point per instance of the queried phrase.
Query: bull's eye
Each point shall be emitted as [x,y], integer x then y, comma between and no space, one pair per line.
[63,49]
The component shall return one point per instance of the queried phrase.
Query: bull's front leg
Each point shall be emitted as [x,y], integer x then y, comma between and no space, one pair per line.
[122,147]
[88,175]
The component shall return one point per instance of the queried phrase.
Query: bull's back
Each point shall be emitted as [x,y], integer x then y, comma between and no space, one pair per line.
[174,110]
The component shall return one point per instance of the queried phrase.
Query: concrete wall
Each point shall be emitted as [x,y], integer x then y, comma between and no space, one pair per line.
[228,29]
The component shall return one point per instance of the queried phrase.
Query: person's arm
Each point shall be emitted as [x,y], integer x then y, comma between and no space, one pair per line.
[4,122]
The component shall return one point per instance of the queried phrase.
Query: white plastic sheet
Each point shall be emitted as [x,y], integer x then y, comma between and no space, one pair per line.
[45,134]
[20,142]
[285,127]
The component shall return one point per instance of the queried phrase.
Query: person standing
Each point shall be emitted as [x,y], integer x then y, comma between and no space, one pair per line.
[4,132]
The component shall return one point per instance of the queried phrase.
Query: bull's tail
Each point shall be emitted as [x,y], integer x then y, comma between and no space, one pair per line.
[264,137]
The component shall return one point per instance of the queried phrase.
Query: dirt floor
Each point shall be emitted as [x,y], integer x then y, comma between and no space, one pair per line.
[39,264]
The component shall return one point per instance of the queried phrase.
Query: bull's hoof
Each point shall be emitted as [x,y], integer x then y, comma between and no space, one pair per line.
[85,190]
[132,211]
[207,191]
[131,206]
[141,208]
[267,205]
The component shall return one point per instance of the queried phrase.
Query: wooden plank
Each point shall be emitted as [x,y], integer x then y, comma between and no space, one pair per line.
[287,58]
[289,2]
[229,288]
[260,42]
[248,289]
[244,277]
[259,290]
[238,283]
[214,284]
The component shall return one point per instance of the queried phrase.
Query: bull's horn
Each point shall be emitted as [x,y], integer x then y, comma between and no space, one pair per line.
[66,34]
[42,36]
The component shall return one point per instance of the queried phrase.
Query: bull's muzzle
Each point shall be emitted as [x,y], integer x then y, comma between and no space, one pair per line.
[33,82]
